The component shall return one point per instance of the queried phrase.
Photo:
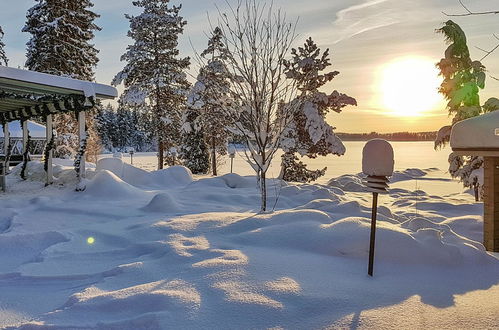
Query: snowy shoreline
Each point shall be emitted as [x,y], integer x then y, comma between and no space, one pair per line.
[172,251]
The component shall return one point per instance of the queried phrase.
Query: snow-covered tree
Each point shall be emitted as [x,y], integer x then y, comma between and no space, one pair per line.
[210,94]
[154,74]
[462,80]
[120,129]
[194,151]
[309,134]
[61,34]
[258,38]
[3,56]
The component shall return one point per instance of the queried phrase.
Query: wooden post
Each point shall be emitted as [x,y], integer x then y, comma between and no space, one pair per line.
[24,124]
[82,134]
[6,145]
[373,234]
[491,204]
[49,137]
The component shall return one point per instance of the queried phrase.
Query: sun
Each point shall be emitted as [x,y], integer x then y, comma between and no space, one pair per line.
[409,86]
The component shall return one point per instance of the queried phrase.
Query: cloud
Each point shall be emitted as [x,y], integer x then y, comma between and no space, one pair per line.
[361,18]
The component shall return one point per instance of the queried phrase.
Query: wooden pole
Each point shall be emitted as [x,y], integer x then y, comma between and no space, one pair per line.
[231,163]
[6,146]
[82,135]
[49,137]
[373,234]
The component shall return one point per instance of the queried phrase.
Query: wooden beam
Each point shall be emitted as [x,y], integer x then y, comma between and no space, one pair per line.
[49,136]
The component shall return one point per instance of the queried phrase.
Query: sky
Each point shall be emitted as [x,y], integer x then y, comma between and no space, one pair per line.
[385,50]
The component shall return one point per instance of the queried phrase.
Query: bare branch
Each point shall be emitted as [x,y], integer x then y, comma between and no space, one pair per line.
[471,13]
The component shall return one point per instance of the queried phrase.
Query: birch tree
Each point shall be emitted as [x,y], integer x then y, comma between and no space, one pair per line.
[258,38]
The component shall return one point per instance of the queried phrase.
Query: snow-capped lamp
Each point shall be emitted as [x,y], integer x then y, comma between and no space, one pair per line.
[131,151]
[377,164]
[232,155]
[479,136]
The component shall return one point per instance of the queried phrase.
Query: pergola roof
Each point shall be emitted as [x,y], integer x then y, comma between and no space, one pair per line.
[477,136]
[24,94]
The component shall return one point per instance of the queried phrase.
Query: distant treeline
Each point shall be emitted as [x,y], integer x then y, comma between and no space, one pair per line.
[399,136]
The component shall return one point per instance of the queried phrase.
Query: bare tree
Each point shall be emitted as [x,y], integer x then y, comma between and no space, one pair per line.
[258,38]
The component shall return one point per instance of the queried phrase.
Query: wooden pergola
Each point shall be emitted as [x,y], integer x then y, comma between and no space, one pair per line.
[25,94]
[479,136]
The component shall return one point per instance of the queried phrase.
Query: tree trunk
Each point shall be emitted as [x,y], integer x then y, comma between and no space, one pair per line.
[161,155]
[263,190]
[213,156]
[475,187]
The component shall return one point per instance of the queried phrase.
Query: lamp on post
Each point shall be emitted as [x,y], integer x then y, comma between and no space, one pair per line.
[131,151]
[377,164]
[232,155]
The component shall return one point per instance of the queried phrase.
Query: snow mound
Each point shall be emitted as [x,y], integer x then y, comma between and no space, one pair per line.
[162,202]
[175,295]
[233,180]
[107,185]
[408,174]
[172,176]
[348,182]
[419,241]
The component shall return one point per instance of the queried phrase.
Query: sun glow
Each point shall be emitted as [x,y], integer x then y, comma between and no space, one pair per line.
[409,86]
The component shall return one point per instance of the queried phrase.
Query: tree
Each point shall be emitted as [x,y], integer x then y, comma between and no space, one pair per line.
[462,80]
[61,34]
[154,74]
[309,134]
[3,56]
[194,151]
[210,95]
[258,38]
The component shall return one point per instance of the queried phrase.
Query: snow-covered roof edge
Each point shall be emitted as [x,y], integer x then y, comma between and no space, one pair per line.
[477,133]
[87,88]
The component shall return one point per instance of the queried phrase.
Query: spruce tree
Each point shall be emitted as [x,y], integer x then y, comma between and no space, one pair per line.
[61,34]
[194,151]
[309,134]
[210,95]
[3,56]
[463,79]
[154,74]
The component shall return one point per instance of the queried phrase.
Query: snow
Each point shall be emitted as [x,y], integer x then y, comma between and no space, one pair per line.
[175,251]
[477,132]
[377,158]
[35,130]
[89,89]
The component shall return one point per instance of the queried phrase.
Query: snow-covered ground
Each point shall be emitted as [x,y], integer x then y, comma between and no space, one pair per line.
[164,250]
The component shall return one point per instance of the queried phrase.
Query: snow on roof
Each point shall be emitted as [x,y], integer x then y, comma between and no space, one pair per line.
[43,81]
[478,133]
[35,130]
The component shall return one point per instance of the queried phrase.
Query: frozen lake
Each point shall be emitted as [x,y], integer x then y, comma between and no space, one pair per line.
[419,155]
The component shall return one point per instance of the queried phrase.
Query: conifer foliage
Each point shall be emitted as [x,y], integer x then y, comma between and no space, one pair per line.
[3,56]
[154,74]
[207,101]
[463,79]
[194,151]
[308,133]
[61,34]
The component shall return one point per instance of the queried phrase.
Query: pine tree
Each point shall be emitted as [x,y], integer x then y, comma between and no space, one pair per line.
[462,80]
[210,95]
[194,151]
[61,34]
[3,56]
[309,134]
[154,74]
